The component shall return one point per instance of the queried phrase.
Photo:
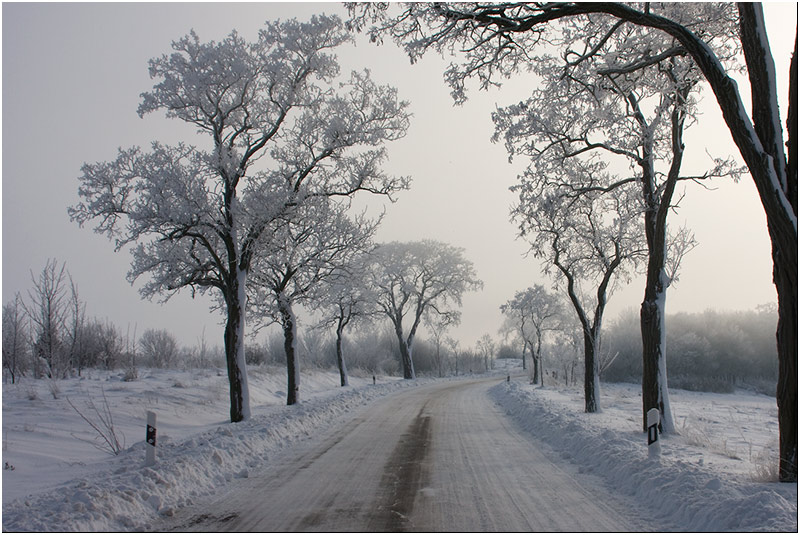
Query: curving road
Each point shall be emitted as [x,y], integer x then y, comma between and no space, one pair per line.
[440,457]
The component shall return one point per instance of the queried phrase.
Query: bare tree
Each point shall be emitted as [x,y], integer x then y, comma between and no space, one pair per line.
[159,348]
[586,243]
[15,339]
[344,300]
[602,114]
[310,248]
[486,347]
[534,311]
[438,326]
[496,40]
[280,135]
[415,278]
[455,349]
[76,328]
[48,310]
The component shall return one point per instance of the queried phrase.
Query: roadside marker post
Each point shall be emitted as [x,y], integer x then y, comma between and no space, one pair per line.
[653,445]
[150,446]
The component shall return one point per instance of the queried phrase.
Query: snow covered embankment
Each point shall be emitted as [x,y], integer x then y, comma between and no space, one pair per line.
[131,498]
[680,495]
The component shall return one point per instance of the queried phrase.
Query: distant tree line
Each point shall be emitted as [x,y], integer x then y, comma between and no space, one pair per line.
[711,351]
[47,334]
[373,350]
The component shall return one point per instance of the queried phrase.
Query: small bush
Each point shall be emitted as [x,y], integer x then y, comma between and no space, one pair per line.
[765,465]
[131,374]
[55,389]
[101,421]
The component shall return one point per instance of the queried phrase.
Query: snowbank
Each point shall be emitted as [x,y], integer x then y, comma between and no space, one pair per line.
[127,496]
[683,493]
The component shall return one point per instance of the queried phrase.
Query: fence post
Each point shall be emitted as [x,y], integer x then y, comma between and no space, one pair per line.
[150,446]
[653,446]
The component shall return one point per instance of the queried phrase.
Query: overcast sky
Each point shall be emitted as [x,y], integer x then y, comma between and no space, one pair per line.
[72,76]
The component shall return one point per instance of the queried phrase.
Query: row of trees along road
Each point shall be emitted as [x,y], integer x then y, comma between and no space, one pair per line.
[262,217]
[635,55]
[285,132]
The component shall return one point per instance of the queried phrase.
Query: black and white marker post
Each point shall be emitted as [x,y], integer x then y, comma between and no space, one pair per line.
[150,445]
[653,446]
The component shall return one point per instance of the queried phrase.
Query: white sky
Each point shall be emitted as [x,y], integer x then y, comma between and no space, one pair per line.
[72,76]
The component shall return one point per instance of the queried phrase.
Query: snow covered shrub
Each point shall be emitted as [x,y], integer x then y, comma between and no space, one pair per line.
[101,421]
[54,388]
[131,374]
[159,348]
[765,470]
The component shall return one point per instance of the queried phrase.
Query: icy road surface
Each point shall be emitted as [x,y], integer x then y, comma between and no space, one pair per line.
[441,457]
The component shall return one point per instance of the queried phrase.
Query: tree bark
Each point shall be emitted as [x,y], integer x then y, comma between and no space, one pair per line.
[591,376]
[783,171]
[535,360]
[234,350]
[289,325]
[340,354]
[405,356]
[539,361]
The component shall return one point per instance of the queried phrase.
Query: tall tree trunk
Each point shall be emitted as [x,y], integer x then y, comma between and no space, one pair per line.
[591,378]
[405,349]
[539,364]
[340,354]
[655,393]
[524,347]
[654,359]
[787,307]
[234,349]
[775,176]
[405,357]
[289,324]
[786,392]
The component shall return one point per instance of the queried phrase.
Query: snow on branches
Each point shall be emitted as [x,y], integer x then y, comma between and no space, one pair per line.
[277,128]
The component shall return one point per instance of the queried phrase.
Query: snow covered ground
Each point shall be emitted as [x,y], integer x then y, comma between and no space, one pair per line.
[61,482]
[709,478]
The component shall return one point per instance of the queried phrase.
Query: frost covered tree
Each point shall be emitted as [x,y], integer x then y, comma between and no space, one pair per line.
[486,348]
[342,301]
[534,311]
[15,339]
[277,126]
[415,278]
[496,40]
[48,309]
[601,101]
[586,243]
[307,250]
[438,326]
[159,348]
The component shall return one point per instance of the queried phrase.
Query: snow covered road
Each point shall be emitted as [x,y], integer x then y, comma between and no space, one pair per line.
[440,457]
